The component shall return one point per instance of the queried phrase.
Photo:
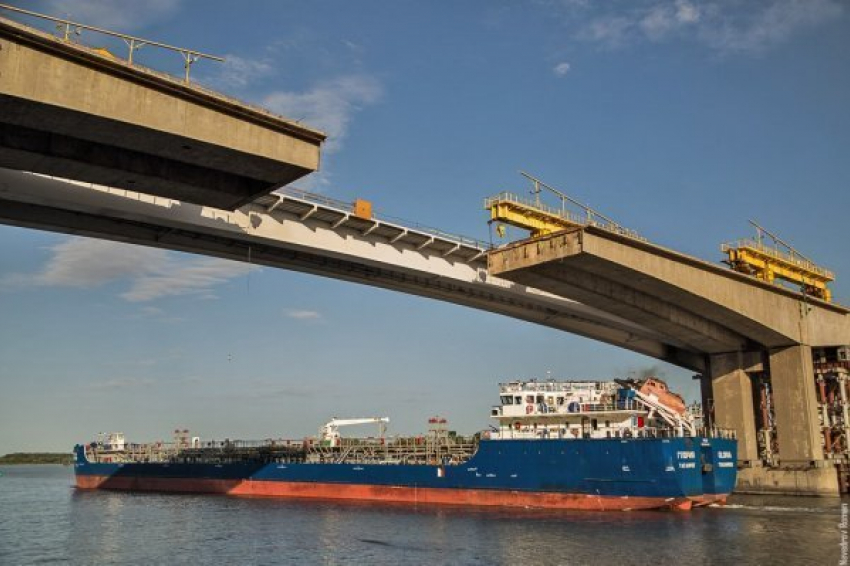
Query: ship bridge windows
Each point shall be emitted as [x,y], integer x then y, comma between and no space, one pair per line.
[517,400]
[539,399]
[560,400]
[507,400]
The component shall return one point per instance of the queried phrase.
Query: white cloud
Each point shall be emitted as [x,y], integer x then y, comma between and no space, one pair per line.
[663,19]
[303,314]
[658,22]
[725,26]
[152,273]
[238,73]
[186,277]
[85,263]
[612,31]
[561,69]
[328,106]
[686,12]
[115,15]
[770,26]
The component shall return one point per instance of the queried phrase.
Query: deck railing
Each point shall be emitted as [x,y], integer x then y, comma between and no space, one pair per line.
[346,207]
[70,28]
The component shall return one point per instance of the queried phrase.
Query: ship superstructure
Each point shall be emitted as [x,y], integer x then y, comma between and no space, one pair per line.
[591,409]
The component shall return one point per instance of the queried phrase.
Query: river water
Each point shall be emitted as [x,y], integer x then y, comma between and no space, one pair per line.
[44,520]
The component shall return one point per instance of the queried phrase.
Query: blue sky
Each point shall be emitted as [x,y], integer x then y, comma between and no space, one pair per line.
[680,119]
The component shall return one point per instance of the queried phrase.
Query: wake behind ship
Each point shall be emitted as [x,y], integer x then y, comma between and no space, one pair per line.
[557,444]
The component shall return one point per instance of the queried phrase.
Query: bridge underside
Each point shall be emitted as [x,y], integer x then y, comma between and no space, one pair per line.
[69,111]
[286,232]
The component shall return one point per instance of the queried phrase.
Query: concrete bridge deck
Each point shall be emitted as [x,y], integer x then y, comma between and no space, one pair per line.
[70,111]
[303,234]
[712,308]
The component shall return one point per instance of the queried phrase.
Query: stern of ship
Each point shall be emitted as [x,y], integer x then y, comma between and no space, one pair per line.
[719,458]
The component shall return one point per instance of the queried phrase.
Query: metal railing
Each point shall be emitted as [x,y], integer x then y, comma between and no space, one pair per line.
[646,432]
[69,28]
[316,198]
[513,387]
[564,409]
[400,223]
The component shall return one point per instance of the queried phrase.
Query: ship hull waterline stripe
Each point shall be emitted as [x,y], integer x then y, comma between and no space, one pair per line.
[399,494]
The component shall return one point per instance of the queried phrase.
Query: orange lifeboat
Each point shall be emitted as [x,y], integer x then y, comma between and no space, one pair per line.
[657,387]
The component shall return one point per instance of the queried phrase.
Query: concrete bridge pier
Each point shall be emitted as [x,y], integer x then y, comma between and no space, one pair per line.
[795,410]
[801,468]
[732,395]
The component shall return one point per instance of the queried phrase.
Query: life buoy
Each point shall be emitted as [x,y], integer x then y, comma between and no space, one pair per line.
[529,409]
[517,425]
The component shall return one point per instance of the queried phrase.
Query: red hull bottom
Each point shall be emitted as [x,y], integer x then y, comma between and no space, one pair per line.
[310,490]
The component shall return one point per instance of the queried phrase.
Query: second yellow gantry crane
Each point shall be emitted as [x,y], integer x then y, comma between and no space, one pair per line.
[779,261]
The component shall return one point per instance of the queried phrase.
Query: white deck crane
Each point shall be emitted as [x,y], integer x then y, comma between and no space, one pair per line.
[330,431]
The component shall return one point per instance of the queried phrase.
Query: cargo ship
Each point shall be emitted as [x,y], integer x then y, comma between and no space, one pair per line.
[598,445]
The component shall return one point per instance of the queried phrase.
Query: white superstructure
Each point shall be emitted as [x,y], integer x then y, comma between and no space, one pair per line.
[589,409]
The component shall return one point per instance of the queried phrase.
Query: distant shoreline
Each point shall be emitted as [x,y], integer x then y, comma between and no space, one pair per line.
[36,458]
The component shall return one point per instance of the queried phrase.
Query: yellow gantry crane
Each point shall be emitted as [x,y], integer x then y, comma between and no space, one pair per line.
[779,261]
[540,219]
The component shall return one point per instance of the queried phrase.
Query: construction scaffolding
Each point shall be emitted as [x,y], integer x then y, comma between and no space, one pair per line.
[541,219]
[832,391]
[778,261]
[832,376]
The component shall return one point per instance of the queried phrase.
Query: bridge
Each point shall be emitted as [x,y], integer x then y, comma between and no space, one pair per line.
[124,153]
[313,234]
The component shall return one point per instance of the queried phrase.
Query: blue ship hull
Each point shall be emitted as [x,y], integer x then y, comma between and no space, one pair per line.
[719,466]
[582,473]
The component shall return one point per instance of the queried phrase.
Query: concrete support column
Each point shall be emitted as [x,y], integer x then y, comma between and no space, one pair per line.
[733,402]
[795,410]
